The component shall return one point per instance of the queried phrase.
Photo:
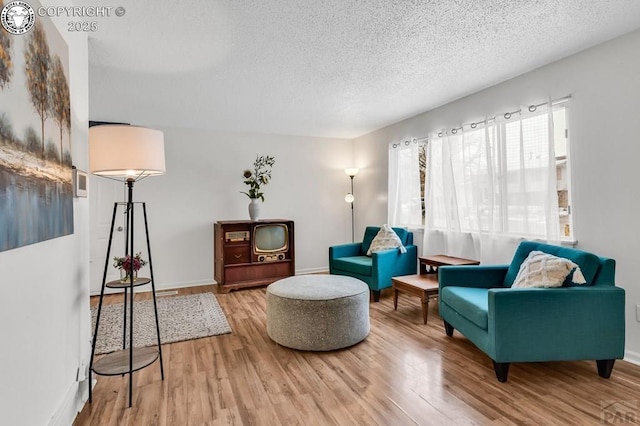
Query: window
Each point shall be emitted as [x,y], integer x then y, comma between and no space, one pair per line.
[495,178]
[406,183]
[561,142]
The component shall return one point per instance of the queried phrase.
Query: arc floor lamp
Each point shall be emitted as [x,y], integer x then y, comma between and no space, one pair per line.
[127,154]
[350,198]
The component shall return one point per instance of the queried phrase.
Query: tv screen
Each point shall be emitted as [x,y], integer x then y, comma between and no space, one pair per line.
[270,238]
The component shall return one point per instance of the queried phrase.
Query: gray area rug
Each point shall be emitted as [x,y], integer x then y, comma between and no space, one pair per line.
[180,317]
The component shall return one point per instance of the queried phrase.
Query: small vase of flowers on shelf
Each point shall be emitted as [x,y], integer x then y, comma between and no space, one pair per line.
[129,266]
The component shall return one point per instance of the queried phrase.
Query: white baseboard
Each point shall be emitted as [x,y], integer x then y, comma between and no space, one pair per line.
[165,286]
[71,405]
[324,269]
[632,357]
[185,284]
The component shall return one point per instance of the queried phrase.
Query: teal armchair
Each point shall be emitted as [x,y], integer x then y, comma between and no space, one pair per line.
[375,270]
[572,322]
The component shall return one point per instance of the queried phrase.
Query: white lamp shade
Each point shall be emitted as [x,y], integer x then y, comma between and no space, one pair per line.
[349,198]
[126,151]
[351,172]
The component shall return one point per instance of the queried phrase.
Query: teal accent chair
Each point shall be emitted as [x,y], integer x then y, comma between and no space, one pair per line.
[375,270]
[572,322]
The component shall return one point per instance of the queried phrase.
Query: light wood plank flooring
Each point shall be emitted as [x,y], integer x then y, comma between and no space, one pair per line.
[403,373]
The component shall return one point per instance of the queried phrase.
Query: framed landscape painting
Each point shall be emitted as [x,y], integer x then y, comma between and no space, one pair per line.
[36,191]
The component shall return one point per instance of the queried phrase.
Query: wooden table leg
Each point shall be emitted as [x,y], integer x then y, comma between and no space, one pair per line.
[425,307]
[395,299]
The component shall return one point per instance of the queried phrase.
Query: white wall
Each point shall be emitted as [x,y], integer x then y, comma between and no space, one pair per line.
[44,313]
[203,183]
[605,88]
[44,308]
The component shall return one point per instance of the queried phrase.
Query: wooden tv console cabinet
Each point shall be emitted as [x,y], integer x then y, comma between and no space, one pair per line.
[236,263]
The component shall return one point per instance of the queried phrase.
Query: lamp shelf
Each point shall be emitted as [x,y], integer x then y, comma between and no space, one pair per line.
[117,363]
[130,359]
[126,284]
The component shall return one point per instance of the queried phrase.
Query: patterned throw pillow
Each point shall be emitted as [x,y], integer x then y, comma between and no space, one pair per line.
[540,269]
[385,239]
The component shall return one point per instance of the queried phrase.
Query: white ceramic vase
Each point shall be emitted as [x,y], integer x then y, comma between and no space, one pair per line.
[254,209]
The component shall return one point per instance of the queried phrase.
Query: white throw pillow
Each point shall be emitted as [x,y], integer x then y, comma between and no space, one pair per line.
[540,269]
[385,239]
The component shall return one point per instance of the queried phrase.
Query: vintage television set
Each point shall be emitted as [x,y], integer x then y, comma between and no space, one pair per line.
[270,241]
[253,253]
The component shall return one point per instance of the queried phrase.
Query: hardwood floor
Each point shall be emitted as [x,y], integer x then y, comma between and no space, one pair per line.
[403,373]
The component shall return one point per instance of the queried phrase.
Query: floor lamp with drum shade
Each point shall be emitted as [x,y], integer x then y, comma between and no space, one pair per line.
[127,154]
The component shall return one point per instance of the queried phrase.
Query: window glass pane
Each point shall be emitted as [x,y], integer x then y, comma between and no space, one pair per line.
[405,199]
[527,191]
[563,172]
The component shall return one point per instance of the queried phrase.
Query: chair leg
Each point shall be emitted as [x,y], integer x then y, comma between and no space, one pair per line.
[502,370]
[605,367]
[376,295]
[448,328]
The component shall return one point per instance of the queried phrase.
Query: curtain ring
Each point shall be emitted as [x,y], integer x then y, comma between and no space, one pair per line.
[532,108]
[439,134]
[507,115]
[406,143]
[395,145]
[454,131]
[474,125]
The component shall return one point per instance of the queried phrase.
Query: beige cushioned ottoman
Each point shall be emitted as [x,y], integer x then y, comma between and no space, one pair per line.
[318,312]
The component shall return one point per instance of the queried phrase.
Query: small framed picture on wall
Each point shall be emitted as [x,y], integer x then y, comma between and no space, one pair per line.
[80,183]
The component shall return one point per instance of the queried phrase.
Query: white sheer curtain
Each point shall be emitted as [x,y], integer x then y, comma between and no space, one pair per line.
[490,186]
[405,204]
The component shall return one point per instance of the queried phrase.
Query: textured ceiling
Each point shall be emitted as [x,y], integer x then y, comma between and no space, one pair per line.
[333,68]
